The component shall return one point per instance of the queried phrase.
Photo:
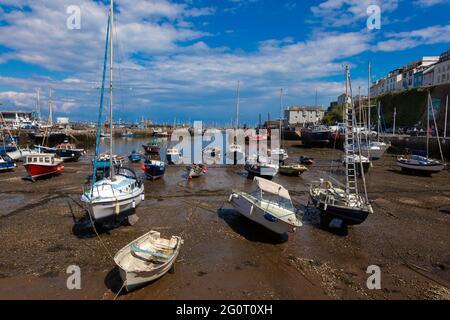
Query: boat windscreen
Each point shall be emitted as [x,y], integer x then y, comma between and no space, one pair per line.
[126,172]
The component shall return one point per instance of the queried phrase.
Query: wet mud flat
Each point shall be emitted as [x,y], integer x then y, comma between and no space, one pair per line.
[224,255]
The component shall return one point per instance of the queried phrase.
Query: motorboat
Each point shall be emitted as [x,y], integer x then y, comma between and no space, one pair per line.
[280,153]
[154,169]
[40,165]
[153,147]
[69,152]
[269,205]
[6,163]
[135,156]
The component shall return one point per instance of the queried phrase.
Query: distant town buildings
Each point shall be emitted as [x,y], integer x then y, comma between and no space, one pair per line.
[302,115]
[17,119]
[425,72]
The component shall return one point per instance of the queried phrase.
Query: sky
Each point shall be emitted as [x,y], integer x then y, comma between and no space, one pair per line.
[181,60]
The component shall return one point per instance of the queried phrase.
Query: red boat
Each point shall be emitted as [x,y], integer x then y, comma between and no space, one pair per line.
[42,165]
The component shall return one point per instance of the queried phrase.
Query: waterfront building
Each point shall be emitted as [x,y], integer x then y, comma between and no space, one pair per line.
[18,119]
[296,116]
[442,69]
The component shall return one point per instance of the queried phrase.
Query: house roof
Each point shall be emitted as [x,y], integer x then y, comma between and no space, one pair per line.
[305,108]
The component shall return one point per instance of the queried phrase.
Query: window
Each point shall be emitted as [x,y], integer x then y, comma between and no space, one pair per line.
[34,159]
[41,159]
[47,160]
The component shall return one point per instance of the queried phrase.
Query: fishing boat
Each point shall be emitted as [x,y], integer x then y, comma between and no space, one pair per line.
[359,161]
[117,194]
[146,259]
[307,161]
[197,170]
[294,170]
[135,156]
[424,165]
[261,167]
[373,150]
[41,165]
[6,163]
[154,169]
[319,135]
[153,147]
[344,206]
[173,156]
[69,152]
[159,133]
[269,205]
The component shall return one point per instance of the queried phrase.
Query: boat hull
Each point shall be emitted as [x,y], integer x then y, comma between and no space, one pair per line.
[428,169]
[37,171]
[261,171]
[69,155]
[7,166]
[256,214]
[103,211]
[151,149]
[292,172]
[154,172]
[349,216]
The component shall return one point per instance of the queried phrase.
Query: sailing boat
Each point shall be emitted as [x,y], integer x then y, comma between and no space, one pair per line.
[420,164]
[119,193]
[280,152]
[373,150]
[347,205]
[235,151]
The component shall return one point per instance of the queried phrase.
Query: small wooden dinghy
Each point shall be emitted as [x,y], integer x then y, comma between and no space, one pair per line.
[146,259]
[293,170]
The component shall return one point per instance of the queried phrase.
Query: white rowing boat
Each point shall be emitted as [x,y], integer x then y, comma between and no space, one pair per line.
[146,259]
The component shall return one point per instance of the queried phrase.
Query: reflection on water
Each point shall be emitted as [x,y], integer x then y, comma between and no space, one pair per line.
[124,146]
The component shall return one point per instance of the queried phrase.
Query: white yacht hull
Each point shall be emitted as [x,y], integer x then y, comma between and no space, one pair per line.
[103,210]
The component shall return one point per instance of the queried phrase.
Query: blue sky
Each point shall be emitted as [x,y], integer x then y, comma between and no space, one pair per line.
[182,59]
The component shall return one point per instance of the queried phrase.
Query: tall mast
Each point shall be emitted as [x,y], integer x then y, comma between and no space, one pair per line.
[111,28]
[281,117]
[379,120]
[237,105]
[369,102]
[38,106]
[50,109]
[428,125]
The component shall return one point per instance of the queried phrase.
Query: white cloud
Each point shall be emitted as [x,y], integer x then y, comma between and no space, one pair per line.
[338,13]
[429,3]
[411,39]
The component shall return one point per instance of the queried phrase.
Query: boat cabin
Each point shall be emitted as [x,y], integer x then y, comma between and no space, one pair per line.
[45,159]
[268,193]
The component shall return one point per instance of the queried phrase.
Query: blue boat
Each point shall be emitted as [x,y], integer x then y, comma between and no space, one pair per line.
[135,156]
[6,163]
[173,156]
[154,169]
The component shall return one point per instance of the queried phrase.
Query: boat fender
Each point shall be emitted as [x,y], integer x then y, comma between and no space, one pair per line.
[231,197]
[142,196]
[117,208]
[251,210]
[133,204]
[325,207]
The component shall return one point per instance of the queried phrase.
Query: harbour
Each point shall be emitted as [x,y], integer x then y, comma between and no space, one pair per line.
[349,202]
[408,236]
